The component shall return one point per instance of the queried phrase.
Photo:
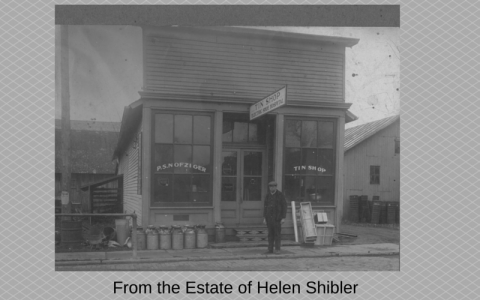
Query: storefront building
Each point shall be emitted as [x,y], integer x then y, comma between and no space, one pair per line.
[190,153]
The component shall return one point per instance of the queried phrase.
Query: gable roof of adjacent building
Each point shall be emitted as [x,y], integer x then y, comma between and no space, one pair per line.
[92,144]
[360,133]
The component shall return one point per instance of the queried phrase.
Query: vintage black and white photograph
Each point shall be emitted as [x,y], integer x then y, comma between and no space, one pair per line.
[227,148]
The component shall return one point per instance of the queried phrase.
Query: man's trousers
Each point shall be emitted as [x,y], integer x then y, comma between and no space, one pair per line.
[274,234]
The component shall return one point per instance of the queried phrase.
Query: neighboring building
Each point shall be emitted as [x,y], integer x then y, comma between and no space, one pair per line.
[92,144]
[189,153]
[372,161]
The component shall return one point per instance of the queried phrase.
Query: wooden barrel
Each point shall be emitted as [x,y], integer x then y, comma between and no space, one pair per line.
[71,232]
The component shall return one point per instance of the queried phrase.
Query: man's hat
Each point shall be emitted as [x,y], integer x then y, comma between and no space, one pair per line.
[272,183]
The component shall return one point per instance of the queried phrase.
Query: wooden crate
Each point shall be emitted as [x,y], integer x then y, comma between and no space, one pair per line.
[308,223]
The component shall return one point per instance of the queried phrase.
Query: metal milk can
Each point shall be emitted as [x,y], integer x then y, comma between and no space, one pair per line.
[152,238]
[202,236]
[189,237]
[177,237]
[141,239]
[219,233]
[165,235]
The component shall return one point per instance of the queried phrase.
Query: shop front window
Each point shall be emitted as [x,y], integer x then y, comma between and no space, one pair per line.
[182,160]
[309,161]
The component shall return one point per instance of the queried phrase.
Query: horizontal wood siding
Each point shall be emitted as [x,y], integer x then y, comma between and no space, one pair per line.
[132,202]
[223,66]
[378,150]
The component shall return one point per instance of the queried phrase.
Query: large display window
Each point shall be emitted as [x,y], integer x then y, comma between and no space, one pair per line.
[309,160]
[182,159]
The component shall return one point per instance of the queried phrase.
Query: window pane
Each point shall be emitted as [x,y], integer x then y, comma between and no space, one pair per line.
[182,188]
[293,187]
[201,130]
[183,129]
[293,161]
[292,133]
[325,134]
[227,132]
[309,161]
[163,158]
[240,132]
[163,128]
[162,190]
[201,159]
[326,164]
[325,189]
[252,163]
[183,159]
[252,132]
[310,188]
[229,163]
[229,188]
[200,188]
[252,189]
[309,134]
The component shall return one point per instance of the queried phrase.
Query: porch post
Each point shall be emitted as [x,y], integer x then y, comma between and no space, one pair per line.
[146,149]
[339,173]
[217,165]
[278,165]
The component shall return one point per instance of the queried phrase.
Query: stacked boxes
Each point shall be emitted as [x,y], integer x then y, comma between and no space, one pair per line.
[354,207]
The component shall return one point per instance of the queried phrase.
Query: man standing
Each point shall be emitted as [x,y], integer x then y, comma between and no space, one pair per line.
[274,214]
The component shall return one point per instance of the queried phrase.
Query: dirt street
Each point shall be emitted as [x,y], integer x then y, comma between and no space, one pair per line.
[346,263]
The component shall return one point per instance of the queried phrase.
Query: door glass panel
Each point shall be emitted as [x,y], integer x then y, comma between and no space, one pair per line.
[229,163]
[252,188]
[252,163]
[229,176]
[240,132]
[229,188]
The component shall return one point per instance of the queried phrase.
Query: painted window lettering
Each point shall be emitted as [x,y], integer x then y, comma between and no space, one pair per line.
[181,165]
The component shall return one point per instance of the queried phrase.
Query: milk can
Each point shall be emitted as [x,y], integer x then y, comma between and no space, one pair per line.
[165,237]
[189,237]
[177,237]
[219,233]
[141,239]
[152,238]
[202,236]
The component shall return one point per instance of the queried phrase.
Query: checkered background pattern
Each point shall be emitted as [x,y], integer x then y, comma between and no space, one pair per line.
[440,163]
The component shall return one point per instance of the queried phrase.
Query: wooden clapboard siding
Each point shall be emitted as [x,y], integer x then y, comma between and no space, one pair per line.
[252,68]
[128,166]
[378,150]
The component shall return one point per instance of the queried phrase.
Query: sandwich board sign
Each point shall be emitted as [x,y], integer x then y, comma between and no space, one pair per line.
[269,103]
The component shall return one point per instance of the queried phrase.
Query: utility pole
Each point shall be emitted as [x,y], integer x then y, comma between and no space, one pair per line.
[63,91]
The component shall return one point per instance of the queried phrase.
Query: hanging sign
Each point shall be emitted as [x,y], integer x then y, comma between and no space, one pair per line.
[65,198]
[269,103]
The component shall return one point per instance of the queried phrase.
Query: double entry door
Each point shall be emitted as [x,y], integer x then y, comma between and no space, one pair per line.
[243,186]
